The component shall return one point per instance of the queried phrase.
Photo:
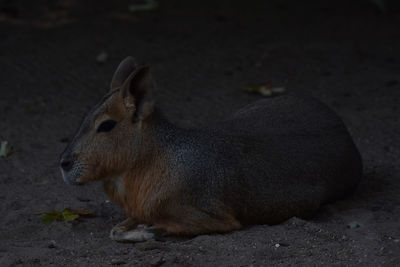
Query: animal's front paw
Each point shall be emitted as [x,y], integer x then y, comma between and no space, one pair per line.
[121,234]
[117,232]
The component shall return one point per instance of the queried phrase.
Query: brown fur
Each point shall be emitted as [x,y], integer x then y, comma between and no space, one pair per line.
[149,199]
[141,182]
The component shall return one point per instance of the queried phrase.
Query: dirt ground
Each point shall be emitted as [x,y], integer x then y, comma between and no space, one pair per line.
[345,53]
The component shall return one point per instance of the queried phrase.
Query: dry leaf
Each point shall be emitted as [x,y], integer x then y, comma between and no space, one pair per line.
[5,149]
[147,6]
[66,215]
[264,89]
[354,224]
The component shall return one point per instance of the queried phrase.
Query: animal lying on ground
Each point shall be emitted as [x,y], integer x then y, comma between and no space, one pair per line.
[271,160]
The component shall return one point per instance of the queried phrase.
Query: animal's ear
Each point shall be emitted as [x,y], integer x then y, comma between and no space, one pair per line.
[137,93]
[125,68]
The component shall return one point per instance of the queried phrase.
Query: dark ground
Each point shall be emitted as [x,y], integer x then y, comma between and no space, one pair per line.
[342,52]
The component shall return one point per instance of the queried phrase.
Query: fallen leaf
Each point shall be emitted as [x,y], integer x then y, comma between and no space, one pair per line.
[50,216]
[147,6]
[47,219]
[81,212]
[354,224]
[69,217]
[65,215]
[5,149]
[264,89]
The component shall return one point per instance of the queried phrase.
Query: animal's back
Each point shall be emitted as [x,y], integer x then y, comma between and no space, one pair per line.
[283,115]
[275,159]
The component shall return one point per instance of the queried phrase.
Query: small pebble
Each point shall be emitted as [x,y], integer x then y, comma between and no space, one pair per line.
[52,244]
[157,261]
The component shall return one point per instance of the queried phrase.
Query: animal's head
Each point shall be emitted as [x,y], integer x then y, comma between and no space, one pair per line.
[111,133]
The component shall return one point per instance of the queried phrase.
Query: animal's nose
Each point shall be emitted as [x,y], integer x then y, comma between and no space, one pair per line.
[66,165]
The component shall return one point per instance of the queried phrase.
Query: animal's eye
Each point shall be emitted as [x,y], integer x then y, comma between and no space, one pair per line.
[106,126]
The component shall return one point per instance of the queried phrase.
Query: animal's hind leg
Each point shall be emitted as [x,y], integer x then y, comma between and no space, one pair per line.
[192,221]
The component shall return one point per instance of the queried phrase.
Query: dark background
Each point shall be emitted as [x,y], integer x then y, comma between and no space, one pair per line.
[345,53]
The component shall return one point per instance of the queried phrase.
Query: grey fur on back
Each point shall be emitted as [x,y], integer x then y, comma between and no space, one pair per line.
[271,160]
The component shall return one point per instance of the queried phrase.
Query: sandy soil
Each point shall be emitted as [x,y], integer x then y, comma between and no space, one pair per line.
[202,53]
